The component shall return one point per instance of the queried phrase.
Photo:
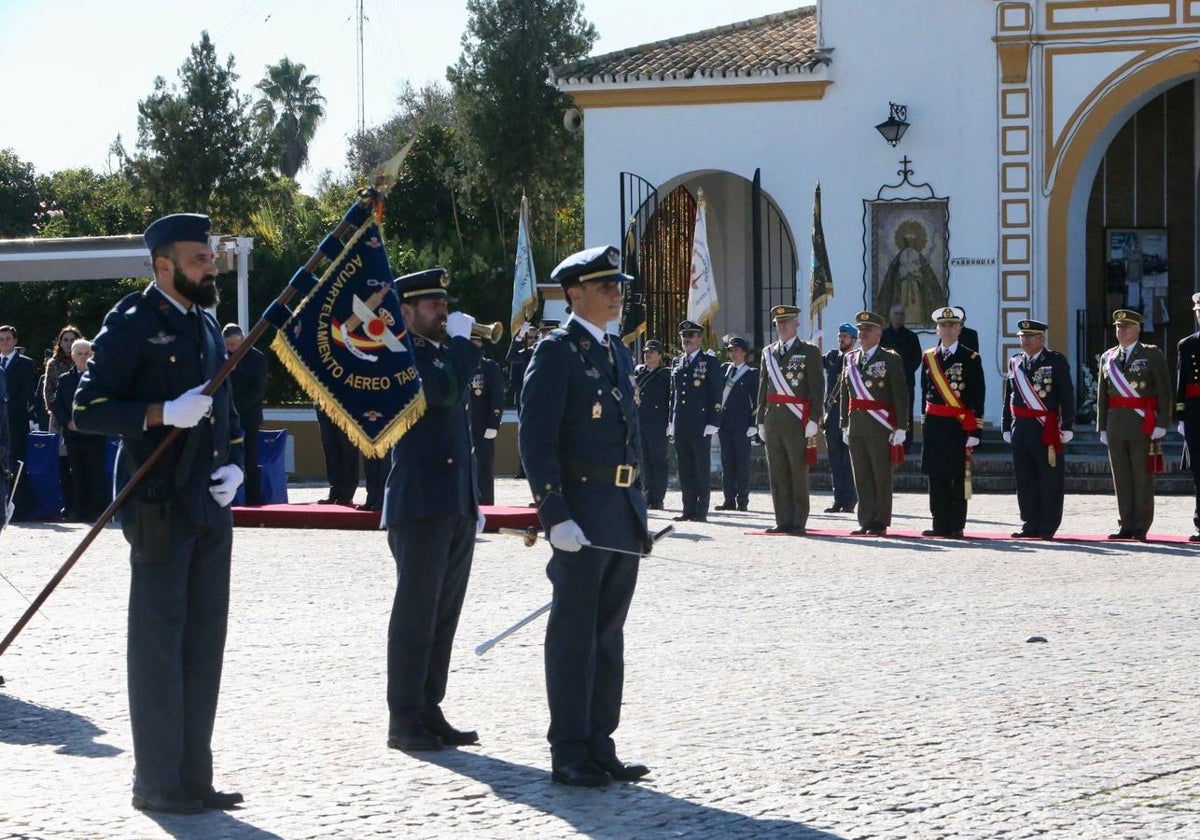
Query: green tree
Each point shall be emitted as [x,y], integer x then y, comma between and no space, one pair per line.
[290,111]
[18,196]
[199,148]
[415,107]
[81,202]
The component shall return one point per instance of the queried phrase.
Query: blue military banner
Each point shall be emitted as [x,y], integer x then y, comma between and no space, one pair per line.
[348,347]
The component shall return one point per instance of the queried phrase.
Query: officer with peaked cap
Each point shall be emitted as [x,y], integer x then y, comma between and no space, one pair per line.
[1039,418]
[791,396]
[155,354]
[874,405]
[580,441]
[1187,405]
[1133,410]
[696,387]
[739,423]
[844,496]
[953,388]
[654,410]
[431,512]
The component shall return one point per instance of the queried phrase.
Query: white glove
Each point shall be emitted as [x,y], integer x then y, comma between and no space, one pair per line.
[811,428]
[489,434]
[1158,434]
[1104,437]
[525,329]
[752,431]
[709,431]
[972,441]
[458,325]
[846,436]
[1180,428]
[227,480]
[568,536]
[188,409]
[480,521]
[670,430]
[1008,437]
[1066,435]
[762,431]
[898,436]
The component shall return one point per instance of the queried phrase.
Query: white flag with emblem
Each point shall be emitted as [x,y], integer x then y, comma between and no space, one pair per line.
[524,299]
[702,290]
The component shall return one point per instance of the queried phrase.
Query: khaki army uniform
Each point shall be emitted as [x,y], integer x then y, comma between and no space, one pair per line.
[786,442]
[870,448]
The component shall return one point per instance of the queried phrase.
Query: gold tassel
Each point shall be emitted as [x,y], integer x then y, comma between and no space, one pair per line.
[1052,456]
[967,477]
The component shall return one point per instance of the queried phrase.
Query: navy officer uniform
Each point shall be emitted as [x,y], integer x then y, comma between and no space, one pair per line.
[654,407]
[90,488]
[845,497]
[430,510]
[487,409]
[1187,406]
[696,388]
[579,437]
[739,404]
[155,353]
[1037,432]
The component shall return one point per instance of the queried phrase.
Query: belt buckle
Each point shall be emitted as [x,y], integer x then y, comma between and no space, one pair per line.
[624,476]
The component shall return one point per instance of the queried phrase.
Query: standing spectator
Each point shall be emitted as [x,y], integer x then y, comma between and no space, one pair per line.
[341,461]
[896,336]
[1039,417]
[953,389]
[653,381]
[60,362]
[696,385]
[20,377]
[738,426]
[85,453]
[431,512]
[487,409]
[1133,410]
[844,495]
[154,356]
[249,381]
[790,386]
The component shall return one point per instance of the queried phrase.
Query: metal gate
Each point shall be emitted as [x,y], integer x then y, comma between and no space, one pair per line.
[639,201]
[773,259]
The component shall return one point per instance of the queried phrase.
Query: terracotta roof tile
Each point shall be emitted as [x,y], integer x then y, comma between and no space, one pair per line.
[779,44]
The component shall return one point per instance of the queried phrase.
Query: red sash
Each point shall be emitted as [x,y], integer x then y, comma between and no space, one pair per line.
[1191,391]
[1050,431]
[1147,404]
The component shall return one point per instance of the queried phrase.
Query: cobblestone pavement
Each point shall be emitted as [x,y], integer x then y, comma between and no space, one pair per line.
[778,687]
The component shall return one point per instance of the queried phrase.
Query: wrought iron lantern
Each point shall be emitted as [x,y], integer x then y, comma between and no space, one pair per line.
[895,125]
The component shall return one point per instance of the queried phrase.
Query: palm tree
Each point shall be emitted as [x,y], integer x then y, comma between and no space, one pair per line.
[290,110]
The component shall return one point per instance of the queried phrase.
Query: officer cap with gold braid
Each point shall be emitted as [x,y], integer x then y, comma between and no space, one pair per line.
[431,283]
[784,312]
[690,328]
[868,319]
[601,263]
[1030,327]
[948,315]
[1127,318]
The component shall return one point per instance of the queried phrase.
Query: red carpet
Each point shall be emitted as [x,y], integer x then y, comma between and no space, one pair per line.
[972,536]
[347,518]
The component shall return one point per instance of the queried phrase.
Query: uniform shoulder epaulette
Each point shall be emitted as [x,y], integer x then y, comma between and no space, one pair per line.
[974,354]
[418,341]
[710,353]
[128,302]
[1150,346]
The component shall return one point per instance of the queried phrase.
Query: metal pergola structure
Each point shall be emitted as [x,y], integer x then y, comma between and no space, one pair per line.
[112,258]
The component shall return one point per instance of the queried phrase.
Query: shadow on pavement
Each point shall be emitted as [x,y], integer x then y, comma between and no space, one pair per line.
[621,810]
[23,723]
[210,824]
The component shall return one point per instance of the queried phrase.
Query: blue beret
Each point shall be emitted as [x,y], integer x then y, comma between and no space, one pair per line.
[431,283]
[179,227]
[603,263]
[848,328]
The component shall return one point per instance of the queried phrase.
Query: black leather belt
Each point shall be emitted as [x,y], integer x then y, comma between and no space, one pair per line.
[622,475]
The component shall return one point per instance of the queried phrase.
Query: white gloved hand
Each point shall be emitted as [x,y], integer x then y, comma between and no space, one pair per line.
[899,436]
[1158,434]
[1066,435]
[752,431]
[762,431]
[972,441]
[568,536]
[1007,437]
[811,428]
[480,521]
[226,481]
[489,434]
[1180,428]
[525,329]
[846,436]
[709,431]
[670,430]
[1104,437]
[188,409]
[458,325]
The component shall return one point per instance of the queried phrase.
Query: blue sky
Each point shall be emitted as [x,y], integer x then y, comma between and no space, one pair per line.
[72,71]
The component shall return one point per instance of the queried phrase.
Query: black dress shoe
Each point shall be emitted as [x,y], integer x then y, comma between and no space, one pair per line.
[877,531]
[580,774]
[1121,535]
[1140,536]
[219,800]
[681,518]
[1045,536]
[859,532]
[780,529]
[725,507]
[450,736]
[745,508]
[929,532]
[1023,535]
[619,770]
[834,509]
[414,738]
[372,507]
[1194,538]
[955,535]
[168,803]
[698,519]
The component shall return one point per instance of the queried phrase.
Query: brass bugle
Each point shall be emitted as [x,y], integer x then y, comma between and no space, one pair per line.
[530,534]
[489,332]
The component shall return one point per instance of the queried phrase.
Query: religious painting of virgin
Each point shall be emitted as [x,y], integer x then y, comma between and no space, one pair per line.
[908,257]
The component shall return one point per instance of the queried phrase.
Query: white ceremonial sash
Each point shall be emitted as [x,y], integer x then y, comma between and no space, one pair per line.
[861,392]
[1117,377]
[1022,383]
[775,373]
[729,383]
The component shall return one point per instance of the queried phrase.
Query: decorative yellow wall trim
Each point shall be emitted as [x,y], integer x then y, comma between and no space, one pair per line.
[1128,14]
[700,94]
